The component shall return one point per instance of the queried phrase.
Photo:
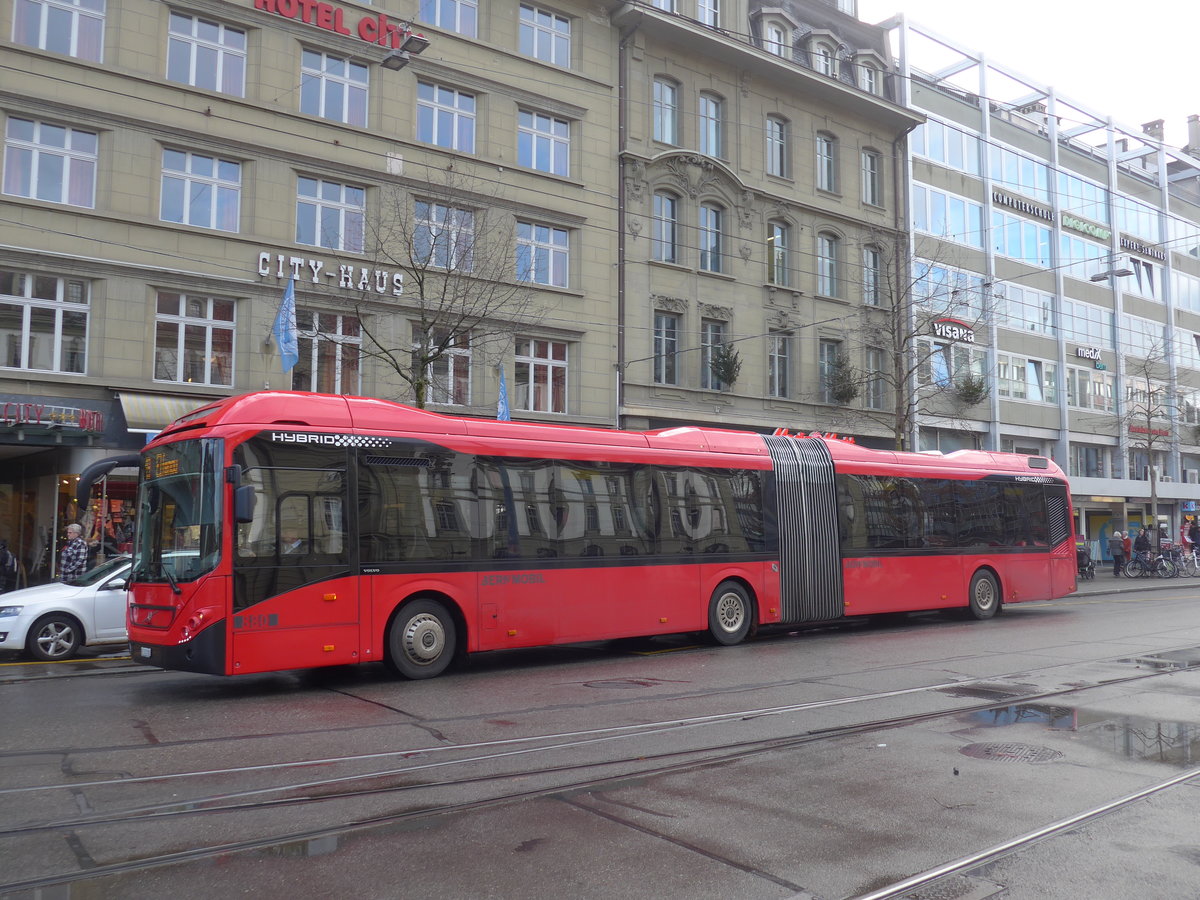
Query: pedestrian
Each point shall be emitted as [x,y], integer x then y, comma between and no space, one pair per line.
[8,568]
[1141,545]
[1194,534]
[1128,542]
[1116,549]
[73,561]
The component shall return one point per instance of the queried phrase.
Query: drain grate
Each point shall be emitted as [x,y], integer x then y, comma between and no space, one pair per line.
[1011,753]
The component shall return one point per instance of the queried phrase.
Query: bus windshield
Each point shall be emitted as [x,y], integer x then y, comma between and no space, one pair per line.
[179,512]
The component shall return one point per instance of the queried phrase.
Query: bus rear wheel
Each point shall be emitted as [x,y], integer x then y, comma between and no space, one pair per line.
[985,595]
[729,614]
[421,640]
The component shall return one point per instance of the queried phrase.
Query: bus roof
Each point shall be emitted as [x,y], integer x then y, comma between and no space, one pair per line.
[296,409]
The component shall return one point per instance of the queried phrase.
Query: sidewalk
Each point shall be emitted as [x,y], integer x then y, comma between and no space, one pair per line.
[1104,583]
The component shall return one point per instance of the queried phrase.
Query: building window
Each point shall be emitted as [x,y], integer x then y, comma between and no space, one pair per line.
[329,348]
[449,375]
[1019,174]
[206,54]
[776,39]
[333,87]
[444,237]
[712,336]
[459,16]
[544,143]
[711,224]
[778,264]
[872,275]
[777,146]
[664,237]
[828,279]
[872,178]
[44,322]
[827,174]
[200,190]
[70,27]
[445,117]
[824,59]
[943,363]
[665,5]
[868,78]
[829,356]
[779,364]
[545,36]
[50,162]
[709,12]
[945,215]
[711,110]
[1026,379]
[876,386]
[542,254]
[666,111]
[666,347]
[541,375]
[954,147]
[193,340]
[329,214]
[1089,461]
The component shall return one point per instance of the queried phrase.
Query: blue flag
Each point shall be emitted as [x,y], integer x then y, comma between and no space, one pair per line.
[284,328]
[502,400]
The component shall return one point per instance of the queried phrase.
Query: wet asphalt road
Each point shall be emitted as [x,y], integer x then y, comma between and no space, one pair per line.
[828,763]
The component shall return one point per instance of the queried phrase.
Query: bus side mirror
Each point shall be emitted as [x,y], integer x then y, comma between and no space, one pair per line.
[243,504]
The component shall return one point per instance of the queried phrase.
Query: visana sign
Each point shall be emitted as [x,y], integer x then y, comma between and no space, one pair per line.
[953,330]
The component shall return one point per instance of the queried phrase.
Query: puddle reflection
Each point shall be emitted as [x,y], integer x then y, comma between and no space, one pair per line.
[1130,737]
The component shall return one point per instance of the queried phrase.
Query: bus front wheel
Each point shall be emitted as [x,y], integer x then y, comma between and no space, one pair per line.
[729,614]
[421,640]
[985,595]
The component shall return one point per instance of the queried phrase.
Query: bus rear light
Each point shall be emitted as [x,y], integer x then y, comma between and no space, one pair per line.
[512,632]
[662,621]
[329,598]
[328,648]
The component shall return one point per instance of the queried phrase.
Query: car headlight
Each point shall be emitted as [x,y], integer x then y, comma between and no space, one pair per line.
[10,610]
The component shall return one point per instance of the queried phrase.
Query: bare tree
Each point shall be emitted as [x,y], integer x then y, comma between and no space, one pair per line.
[466,284]
[916,341]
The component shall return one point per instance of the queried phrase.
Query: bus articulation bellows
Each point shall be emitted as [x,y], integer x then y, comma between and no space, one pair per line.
[282,530]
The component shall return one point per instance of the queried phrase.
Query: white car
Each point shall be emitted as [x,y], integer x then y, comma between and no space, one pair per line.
[52,621]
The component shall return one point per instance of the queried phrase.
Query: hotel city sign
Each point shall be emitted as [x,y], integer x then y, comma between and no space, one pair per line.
[373,29]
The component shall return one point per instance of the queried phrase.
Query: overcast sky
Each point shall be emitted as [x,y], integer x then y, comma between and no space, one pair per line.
[1133,61]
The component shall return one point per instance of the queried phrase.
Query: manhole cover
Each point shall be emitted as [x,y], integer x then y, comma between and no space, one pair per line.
[1011,753]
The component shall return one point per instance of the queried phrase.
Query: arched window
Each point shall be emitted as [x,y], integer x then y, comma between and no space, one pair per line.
[778,148]
[776,39]
[828,256]
[711,113]
[711,225]
[824,58]
[664,235]
[872,177]
[872,275]
[869,78]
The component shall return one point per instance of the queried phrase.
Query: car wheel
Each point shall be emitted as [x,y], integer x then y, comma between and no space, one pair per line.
[55,636]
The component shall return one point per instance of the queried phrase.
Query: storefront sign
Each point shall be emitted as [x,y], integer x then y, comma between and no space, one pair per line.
[351,277]
[375,29]
[1022,206]
[1143,249]
[1096,231]
[41,415]
[1155,432]
[953,330]
[1088,352]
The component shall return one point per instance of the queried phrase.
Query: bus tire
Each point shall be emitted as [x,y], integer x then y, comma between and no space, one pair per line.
[730,615]
[421,640]
[984,595]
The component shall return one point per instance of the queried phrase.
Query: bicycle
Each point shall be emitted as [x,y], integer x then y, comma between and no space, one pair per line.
[1142,565]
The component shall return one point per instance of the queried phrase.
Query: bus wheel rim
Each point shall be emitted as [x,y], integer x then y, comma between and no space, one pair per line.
[424,639]
[985,596]
[730,612]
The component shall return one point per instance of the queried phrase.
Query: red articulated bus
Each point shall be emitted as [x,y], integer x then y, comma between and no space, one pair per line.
[286,530]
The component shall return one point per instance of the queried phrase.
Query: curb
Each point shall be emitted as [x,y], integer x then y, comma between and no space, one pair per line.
[1125,585]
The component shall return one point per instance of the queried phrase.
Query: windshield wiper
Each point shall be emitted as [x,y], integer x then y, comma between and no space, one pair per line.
[170,578]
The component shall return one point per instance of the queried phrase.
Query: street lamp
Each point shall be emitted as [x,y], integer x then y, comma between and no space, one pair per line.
[411,45]
[1118,267]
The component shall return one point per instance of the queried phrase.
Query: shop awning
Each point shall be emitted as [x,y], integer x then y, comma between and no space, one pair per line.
[151,413]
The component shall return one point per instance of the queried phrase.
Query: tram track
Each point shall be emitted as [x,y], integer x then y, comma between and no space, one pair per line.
[576,777]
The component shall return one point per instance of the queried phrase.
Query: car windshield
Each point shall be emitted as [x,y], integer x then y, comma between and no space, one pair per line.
[102,571]
[179,512]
